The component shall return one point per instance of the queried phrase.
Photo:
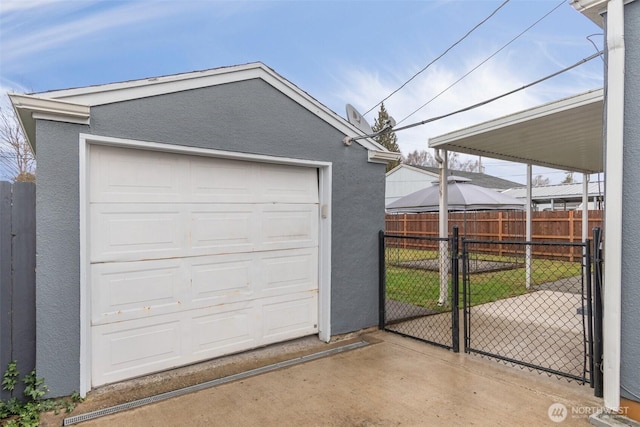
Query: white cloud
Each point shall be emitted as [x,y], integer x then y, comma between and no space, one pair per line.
[500,75]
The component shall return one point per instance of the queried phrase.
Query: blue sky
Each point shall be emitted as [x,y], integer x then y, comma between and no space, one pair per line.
[338,51]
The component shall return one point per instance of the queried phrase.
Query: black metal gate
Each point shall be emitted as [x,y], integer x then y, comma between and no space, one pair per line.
[530,303]
[533,304]
[419,288]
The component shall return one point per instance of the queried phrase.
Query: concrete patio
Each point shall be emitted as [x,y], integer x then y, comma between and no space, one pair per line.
[391,381]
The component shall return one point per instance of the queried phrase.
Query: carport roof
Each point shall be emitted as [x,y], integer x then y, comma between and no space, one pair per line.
[564,134]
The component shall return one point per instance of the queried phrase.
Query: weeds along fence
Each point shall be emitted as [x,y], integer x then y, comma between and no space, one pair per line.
[498,226]
[17,277]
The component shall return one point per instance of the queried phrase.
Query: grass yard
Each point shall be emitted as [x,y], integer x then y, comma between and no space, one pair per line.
[421,287]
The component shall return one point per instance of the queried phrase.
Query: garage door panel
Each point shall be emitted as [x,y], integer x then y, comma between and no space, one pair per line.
[294,317]
[140,347]
[227,329]
[288,226]
[135,232]
[222,181]
[222,228]
[286,272]
[287,184]
[127,175]
[132,290]
[222,279]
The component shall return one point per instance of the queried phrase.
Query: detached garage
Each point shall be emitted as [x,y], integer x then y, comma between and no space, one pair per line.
[186,217]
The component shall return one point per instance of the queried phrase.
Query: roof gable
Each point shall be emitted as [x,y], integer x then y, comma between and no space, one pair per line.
[479,179]
[74,105]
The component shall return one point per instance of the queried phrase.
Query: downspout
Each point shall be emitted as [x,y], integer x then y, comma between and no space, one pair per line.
[613,195]
[443,217]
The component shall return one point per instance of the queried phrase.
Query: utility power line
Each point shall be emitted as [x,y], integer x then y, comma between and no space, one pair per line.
[484,61]
[480,104]
[495,98]
[439,56]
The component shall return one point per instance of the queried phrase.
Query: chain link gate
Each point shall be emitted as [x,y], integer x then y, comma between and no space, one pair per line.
[530,304]
[419,288]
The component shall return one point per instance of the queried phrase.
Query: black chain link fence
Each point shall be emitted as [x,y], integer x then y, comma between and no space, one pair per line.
[529,304]
[419,288]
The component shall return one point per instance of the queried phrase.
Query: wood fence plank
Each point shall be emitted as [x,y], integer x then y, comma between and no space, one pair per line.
[550,226]
[5,279]
[24,297]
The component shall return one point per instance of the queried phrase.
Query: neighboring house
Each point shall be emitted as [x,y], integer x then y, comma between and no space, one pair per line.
[406,179]
[561,197]
[185,217]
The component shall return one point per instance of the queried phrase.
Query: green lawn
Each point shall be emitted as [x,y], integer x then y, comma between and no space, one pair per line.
[421,287]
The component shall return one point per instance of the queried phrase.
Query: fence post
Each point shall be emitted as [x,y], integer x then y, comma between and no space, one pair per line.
[597,312]
[465,293]
[455,290]
[589,314]
[500,236]
[381,280]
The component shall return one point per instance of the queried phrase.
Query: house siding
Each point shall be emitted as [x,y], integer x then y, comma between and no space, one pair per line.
[248,116]
[630,338]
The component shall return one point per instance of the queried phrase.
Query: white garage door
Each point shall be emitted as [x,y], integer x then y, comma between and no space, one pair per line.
[195,257]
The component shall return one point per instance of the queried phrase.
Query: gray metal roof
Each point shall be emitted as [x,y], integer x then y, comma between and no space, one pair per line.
[557,192]
[479,179]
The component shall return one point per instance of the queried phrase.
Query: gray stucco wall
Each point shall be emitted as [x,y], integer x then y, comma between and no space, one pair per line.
[250,117]
[630,356]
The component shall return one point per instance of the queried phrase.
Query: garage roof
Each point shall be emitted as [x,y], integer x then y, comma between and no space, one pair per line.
[564,134]
[74,105]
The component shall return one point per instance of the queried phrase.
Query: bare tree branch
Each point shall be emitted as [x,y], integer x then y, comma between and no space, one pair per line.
[16,158]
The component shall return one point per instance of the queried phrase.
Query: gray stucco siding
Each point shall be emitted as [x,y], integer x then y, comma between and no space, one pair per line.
[58,256]
[630,337]
[249,117]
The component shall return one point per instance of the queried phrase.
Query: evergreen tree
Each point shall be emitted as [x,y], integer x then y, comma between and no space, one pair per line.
[568,178]
[388,140]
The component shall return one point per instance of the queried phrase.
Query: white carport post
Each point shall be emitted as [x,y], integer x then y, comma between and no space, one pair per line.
[528,252]
[585,207]
[443,226]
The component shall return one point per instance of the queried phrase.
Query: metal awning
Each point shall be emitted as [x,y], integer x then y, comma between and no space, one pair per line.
[564,134]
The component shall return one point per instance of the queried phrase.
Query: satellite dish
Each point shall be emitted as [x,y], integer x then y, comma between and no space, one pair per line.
[358,120]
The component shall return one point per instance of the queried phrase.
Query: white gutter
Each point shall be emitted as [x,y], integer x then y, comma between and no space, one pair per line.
[444,225]
[614,100]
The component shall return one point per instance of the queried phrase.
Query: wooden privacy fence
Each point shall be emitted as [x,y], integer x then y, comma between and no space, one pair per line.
[547,226]
[17,278]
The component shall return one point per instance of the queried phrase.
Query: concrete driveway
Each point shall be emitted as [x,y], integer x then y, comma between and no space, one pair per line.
[392,381]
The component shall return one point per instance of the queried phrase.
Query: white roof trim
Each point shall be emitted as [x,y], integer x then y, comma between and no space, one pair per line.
[413,168]
[29,108]
[383,156]
[593,9]
[118,92]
